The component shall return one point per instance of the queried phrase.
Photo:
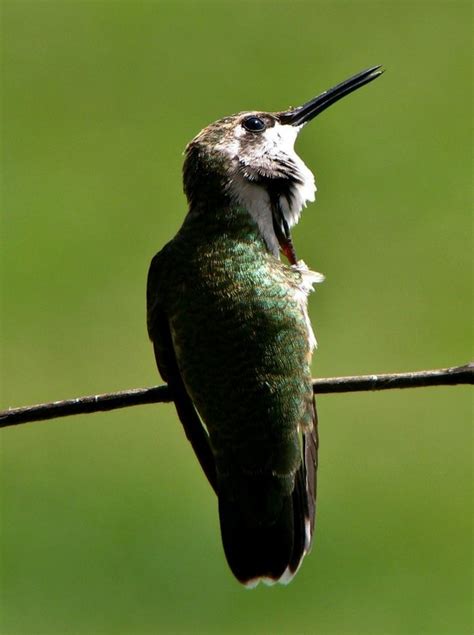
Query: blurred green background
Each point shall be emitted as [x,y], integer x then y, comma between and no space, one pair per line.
[108,526]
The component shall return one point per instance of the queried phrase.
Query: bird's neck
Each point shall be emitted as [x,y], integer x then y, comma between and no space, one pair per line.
[227,222]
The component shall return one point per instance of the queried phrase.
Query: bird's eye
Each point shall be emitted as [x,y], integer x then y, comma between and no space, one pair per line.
[254,124]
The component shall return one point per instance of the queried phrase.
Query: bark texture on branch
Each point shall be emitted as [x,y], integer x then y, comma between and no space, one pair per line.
[161,394]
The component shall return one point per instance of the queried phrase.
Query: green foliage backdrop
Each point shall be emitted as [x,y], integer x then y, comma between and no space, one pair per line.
[108,526]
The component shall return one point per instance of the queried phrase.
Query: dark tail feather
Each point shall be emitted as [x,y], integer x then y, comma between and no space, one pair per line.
[273,552]
[267,552]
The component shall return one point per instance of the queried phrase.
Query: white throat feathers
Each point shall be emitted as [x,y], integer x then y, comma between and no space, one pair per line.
[270,171]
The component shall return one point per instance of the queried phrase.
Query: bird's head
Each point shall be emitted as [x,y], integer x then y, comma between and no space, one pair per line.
[249,159]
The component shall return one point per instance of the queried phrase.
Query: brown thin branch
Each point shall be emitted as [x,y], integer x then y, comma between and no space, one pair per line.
[161,394]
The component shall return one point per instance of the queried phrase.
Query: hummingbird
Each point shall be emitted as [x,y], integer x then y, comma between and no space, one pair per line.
[229,324]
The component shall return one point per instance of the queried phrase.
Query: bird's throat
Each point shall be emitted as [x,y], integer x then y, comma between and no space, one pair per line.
[282,232]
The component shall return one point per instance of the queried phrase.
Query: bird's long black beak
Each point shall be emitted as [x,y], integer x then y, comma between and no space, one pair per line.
[306,112]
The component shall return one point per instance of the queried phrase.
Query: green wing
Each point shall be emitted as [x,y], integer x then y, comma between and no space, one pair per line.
[310,457]
[160,334]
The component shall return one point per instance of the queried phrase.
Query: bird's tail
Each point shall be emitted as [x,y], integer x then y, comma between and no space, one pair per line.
[268,551]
